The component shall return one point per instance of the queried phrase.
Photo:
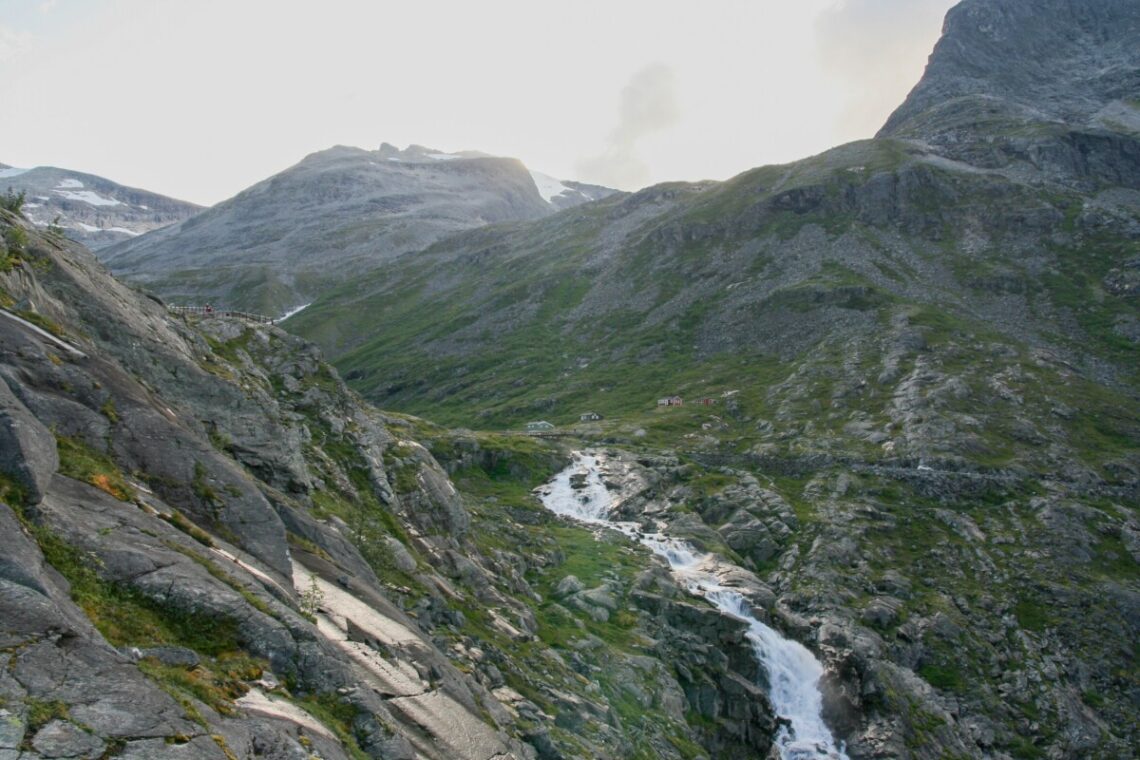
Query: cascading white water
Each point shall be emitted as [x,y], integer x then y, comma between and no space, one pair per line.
[793,672]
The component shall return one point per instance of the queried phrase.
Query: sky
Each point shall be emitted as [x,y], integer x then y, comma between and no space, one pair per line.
[198,99]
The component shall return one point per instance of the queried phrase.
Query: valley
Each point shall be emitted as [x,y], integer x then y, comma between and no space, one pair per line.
[838,458]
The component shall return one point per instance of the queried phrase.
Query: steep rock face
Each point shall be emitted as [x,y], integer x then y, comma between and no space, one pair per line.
[90,209]
[1047,86]
[334,215]
[188,547]
[1058,60]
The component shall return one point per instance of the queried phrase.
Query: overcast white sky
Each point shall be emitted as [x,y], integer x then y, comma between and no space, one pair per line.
[199,99]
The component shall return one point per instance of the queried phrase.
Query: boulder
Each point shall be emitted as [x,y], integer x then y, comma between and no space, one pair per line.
[27,449]
[64,739]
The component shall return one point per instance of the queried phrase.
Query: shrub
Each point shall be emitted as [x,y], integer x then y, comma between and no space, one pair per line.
[13,201]
[311,598]
[16,239]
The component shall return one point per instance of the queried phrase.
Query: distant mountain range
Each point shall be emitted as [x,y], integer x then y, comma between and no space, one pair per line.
[91,210]
[337,214]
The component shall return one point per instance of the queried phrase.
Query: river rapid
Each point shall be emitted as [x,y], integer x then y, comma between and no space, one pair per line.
[579,492]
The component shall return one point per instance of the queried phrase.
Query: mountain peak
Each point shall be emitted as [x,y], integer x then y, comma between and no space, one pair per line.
[416,152]
[1010,62]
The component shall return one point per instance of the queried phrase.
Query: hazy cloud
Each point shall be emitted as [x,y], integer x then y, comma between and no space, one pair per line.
[879,49]
[13,43]
[648,105]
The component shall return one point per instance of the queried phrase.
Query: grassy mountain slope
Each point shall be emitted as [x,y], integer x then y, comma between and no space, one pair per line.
[829,288]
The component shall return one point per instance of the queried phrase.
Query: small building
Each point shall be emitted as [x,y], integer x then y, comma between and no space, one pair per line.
[538,426]
[670,401]
[589,416]
[707,401]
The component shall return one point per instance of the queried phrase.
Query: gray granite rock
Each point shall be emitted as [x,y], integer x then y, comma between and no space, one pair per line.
[64,739]
[27,448]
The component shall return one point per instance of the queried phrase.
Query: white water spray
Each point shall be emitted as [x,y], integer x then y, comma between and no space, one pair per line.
[793,672]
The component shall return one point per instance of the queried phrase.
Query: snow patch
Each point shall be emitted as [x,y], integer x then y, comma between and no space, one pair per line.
[442,156]
[549,187]
[69,184]
[87,196]
[92,228]
[12,171]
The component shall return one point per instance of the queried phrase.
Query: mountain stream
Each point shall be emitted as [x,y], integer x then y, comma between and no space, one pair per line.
[793,672]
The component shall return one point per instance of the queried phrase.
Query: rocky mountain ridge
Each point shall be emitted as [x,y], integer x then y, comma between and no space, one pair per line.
[335,215]
[561,194]
[90,209]
[1050,88]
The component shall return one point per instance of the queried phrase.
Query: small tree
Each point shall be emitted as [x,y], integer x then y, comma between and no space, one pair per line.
[13,201]
[15,239]
[311,598]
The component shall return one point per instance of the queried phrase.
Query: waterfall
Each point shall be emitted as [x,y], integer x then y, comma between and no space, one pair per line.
[793,672]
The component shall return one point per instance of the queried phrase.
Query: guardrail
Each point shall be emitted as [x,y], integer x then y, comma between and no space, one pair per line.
[207,312]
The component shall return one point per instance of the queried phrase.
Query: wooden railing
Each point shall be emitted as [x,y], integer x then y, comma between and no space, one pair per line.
[210,311]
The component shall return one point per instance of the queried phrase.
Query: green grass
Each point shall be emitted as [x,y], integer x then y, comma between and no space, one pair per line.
[180,521]
[107,409]
[1032,615]
[944,676]
[125,616]
[80,461]
[228,350]
[9,260]
[216,682]
[128,618]
[336,715]
[12,493]
[45,323]
[41,712]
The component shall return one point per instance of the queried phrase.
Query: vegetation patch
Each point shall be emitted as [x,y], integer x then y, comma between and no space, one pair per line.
[338,716]
[124,615]
[79,461]
[44,323]
[216,681]
[41,712]
[11,492]
[180,521]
